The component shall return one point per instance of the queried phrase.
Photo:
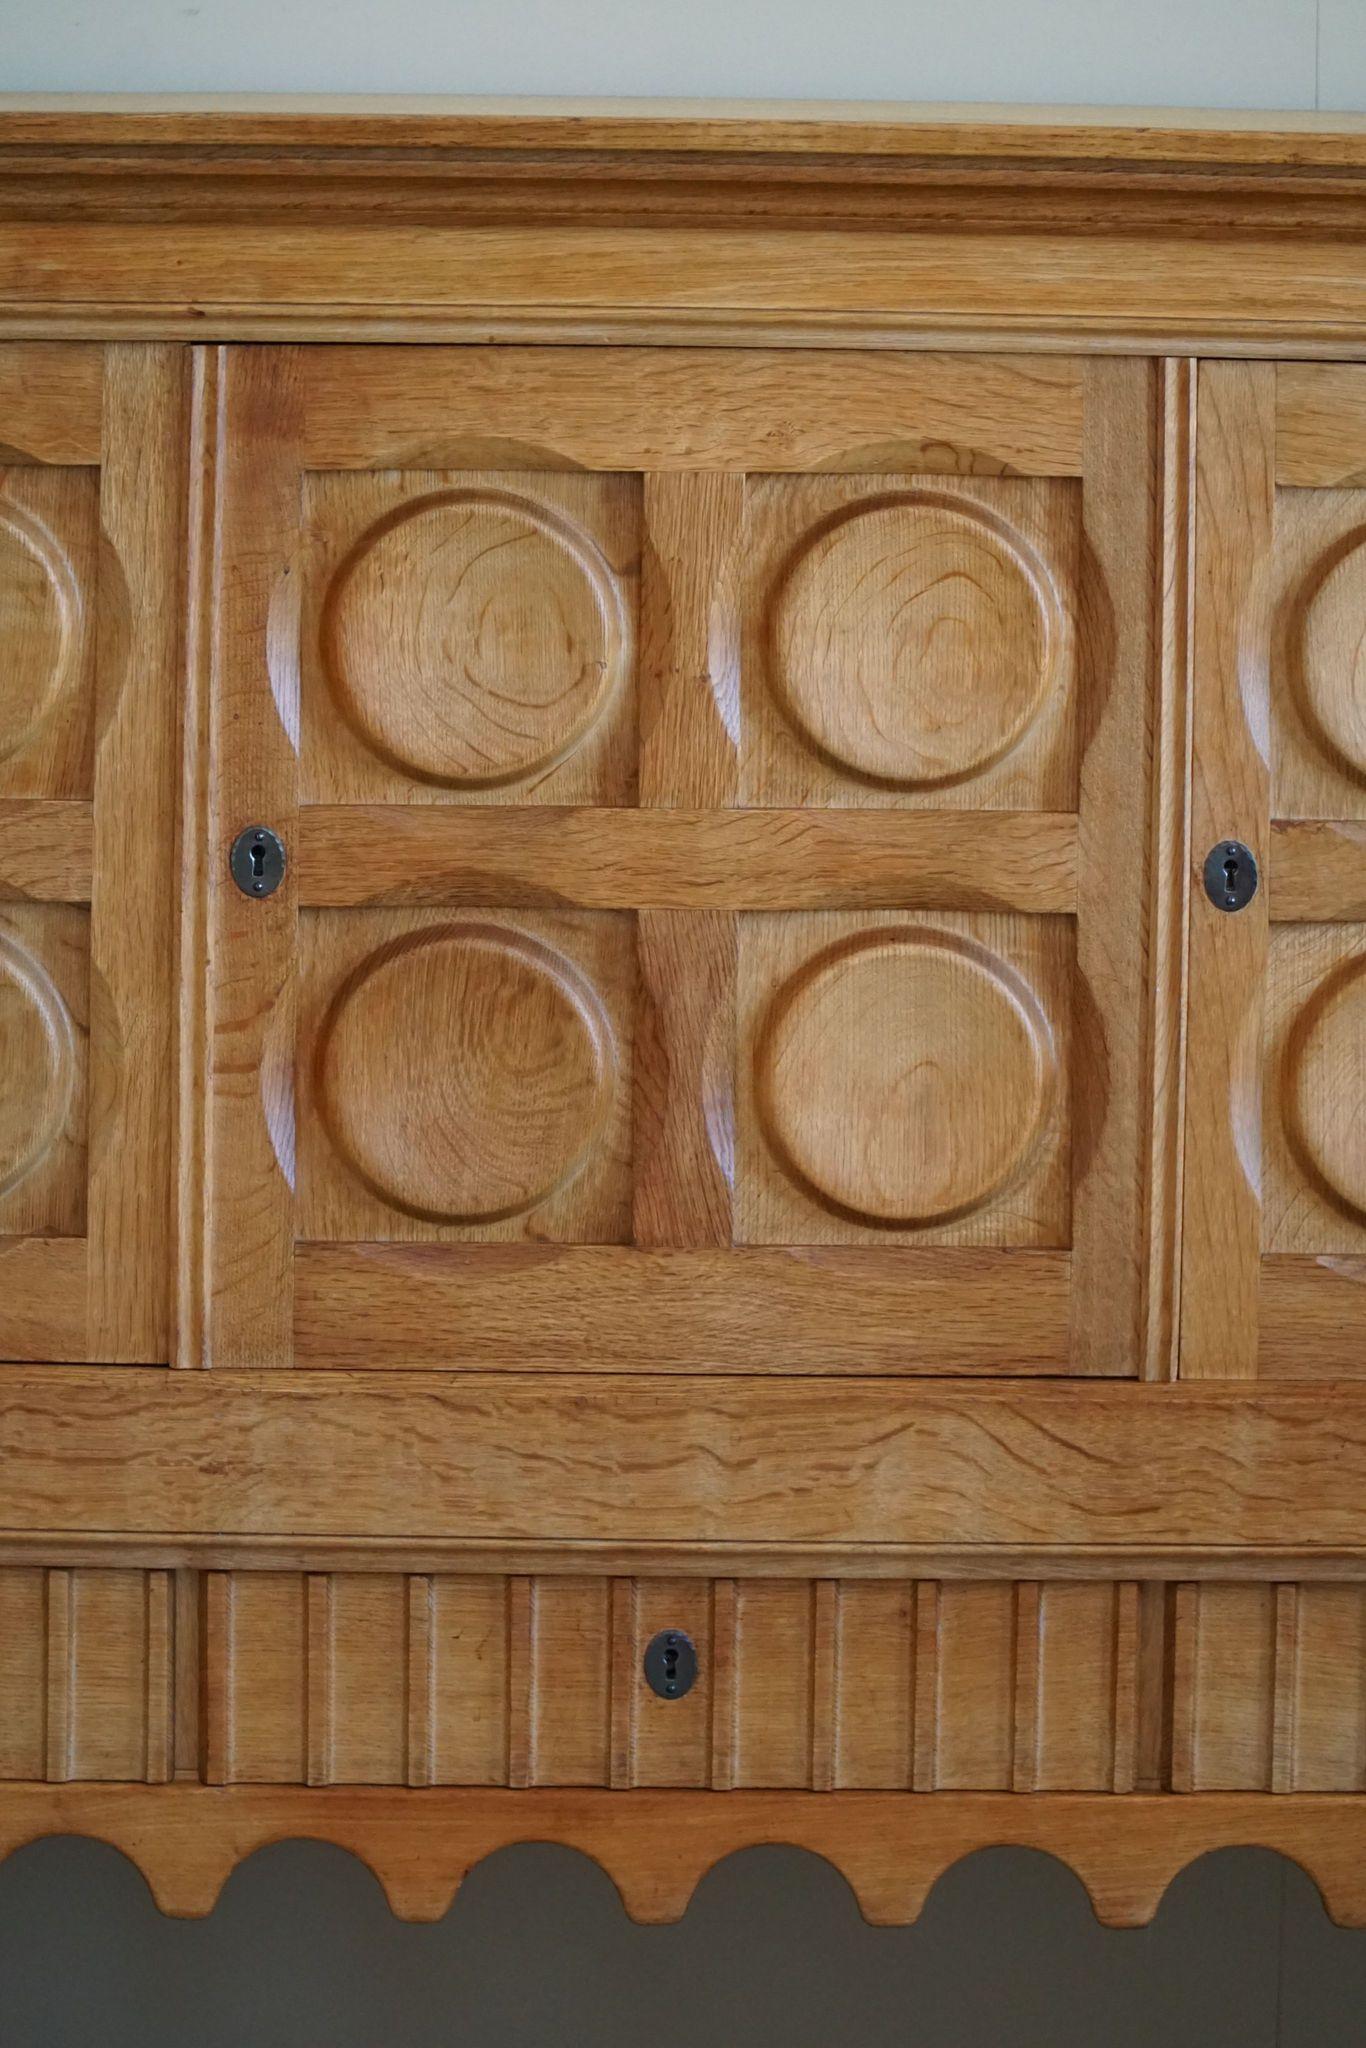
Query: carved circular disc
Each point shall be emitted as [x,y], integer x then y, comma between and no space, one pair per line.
[1331,657]
[465,1072]
[904,1075]
[1325,1088]
[473,638]
[912,640]
[37,1063]
[38,609]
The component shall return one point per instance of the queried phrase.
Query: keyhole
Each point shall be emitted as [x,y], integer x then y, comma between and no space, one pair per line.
[258,862]
[671,1664]
[1231,880]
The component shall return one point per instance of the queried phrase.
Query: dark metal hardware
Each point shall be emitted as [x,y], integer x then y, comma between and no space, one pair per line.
[671,1664]
[257,861]
[1230,875]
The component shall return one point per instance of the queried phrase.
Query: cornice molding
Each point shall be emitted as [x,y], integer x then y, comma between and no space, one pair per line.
[683,222]
[687,163]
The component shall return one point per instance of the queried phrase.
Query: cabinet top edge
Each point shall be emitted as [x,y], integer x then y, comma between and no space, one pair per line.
[1174,138]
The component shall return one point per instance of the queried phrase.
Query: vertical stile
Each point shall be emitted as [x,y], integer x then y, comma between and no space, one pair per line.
[521,1741]
[623,1679]
[1284,1742]
[421,1681]
[159,1764]
[204,580]
[723,1649]
[1230,799]
[321,1649]
[1170,865]
[1111,1084]
[926,1685]
[61,1674]
[825,1683]
[1030,1650]
[219,1678]
[1127,1687]
[143,493]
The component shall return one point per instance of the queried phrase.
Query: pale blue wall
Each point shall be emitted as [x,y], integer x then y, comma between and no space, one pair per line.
[1217,53]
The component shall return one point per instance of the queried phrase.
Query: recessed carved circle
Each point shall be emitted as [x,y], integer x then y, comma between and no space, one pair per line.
[472,638]
[1327,649]
[465,1072]
[904,1075]
[913,639]
[37,1063]
[1324,1088]
[39,615]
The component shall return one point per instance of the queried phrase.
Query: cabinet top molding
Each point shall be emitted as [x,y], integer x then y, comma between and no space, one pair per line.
[905,130]
[794,222]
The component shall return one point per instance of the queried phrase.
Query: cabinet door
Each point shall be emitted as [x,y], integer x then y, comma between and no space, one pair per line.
[716,790]
[1275,1231]
[92,527]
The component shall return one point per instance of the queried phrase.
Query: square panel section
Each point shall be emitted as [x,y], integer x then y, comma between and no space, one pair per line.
[469,637]
[903,1079]
[911,641]
[465,1075]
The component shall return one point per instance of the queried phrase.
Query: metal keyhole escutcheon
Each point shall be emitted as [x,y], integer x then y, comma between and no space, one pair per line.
[257,861]
[1230,875]
[671,1664]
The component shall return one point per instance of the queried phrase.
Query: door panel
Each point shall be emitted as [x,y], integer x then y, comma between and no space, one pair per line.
[92,444]
[715,932]
[1275,1260]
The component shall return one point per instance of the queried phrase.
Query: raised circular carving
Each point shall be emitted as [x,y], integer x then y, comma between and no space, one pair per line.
[903,1076]
[465,1072]
[472,638]
[913,639]
[1328,652]
[1324,1088]
[39,613]
[37,1063]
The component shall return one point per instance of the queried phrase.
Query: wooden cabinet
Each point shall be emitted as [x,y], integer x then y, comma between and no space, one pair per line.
[719,847]
[748,1112]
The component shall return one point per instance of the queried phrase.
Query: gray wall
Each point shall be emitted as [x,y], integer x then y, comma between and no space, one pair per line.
[1217,53]
[302,1951]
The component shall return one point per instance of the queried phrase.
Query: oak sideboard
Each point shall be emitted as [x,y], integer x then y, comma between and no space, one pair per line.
[683,988]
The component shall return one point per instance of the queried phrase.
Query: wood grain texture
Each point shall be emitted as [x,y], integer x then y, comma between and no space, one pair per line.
[330,280]
[680,859]
[693,411]
[1113,1078]
[609,1308]
[694,529]
[51,402]
[684,1128]
[1317,871]
[1230,800]
[793,1461]
[132,938]
[46,850]
[1170,863]
[1320,425]
[1312,1316]
[890,1847]
[43,1311]
[249,1109]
